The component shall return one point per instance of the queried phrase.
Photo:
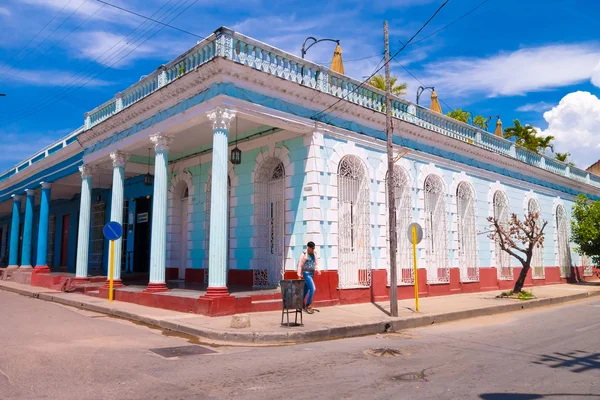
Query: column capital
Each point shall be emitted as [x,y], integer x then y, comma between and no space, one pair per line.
[86,171]
[16,197]
[221,117]
[161,141]
[119,158]
[45,185]
[30,192]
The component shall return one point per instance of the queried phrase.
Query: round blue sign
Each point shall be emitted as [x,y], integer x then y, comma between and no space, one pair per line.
[113,230]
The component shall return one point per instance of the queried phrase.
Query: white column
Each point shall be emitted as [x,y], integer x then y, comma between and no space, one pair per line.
[217,257]
[85,210]
[119,158]
[158,241]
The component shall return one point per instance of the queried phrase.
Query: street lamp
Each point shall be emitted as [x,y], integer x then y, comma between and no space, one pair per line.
[420,91]
[315,41]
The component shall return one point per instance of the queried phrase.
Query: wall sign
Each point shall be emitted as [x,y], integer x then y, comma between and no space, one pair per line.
[142,218]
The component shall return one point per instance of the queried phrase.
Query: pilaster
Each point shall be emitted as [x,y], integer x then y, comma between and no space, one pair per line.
[15,227]
[83,235]
[27,230]
[158,241]
[221,119]
[42,243]
[119,159]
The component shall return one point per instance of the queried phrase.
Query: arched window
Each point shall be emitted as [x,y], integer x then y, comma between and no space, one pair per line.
[207,224]
[269,217]
[537,262]
[404,259]
[467,233]
[564,250]
[354,234]
[586,263]
[436,231]
[501,213]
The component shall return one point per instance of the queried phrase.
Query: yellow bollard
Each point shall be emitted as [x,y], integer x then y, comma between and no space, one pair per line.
[416,271]
[111,270]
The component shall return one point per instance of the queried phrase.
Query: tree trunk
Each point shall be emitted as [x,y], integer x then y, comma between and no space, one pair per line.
[521,280]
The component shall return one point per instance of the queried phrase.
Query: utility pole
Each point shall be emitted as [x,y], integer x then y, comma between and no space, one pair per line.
[390,178]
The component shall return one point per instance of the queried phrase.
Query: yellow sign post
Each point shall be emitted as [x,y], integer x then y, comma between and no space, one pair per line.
[111,270]
[416,271]
[415,235]
[112,231]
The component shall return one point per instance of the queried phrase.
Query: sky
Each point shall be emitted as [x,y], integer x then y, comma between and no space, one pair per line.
[533,60]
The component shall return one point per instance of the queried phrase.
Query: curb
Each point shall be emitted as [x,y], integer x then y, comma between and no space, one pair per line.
[322,334]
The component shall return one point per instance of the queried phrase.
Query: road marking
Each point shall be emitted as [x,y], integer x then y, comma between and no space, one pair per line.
[585,328]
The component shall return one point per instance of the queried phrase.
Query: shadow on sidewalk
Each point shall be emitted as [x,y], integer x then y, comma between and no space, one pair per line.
[530,396]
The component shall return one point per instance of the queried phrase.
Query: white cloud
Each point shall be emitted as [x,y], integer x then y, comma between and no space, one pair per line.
[17,145]
[537,107]
[574,123]
[517,73]
[49,77]
[4,11]
[115,50]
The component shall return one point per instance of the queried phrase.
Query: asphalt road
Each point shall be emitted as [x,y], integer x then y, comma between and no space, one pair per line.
[48,351]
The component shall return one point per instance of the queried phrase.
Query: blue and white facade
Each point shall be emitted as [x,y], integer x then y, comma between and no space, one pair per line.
[305,175]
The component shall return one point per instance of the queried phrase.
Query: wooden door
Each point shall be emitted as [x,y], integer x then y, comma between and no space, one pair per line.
[64,242]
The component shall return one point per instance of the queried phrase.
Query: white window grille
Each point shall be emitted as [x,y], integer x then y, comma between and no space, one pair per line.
[537,262]
[564,250]
[501,213]
[467,233]
[269,214]
[51,240]
[97,253]
[207,223]
[354,213]
[586,263]
[436,231]
[404,258]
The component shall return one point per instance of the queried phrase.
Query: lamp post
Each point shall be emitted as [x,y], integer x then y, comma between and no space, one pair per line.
[420,91]
[315,41]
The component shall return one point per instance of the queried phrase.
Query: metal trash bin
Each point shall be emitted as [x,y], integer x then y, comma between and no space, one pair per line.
[292,296]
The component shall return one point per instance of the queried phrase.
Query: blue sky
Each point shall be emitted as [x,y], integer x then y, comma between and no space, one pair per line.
[538,61]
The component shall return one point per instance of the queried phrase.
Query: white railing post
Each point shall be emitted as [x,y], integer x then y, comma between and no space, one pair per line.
[588,180]
[118,102]
[224,43]
[513,151]
[88,121]
[162,76]
[543,162]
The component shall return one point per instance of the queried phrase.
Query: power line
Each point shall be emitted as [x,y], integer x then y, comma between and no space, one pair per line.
[421,82]
[386,63]
[154,34]
[70,83]
[153,20]
[51,33]
[37,34]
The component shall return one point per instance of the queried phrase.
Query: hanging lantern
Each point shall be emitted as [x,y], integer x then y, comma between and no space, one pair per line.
[236,154]
[148,178]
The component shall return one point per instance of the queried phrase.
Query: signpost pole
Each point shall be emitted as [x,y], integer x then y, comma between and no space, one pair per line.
[416,271]
[111,270]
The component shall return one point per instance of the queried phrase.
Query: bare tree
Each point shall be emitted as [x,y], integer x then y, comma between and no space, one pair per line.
[519,237]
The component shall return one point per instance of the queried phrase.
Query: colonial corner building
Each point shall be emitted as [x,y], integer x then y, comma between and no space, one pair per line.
[207,235]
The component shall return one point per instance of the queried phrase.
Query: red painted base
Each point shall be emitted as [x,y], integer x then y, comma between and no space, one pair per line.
[156,288]
[117,283]
[216,306]
[42,269]
[217,292]
[81,281]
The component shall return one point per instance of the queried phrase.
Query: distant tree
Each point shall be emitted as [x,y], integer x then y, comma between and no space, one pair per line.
[481,122]
[526,136]
[397,88]
[564,157]
[585,227]
[519,238]
[460,115]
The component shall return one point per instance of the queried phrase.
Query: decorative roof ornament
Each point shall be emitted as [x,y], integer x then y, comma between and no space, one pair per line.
[498,131]
[435,103]
[337,64]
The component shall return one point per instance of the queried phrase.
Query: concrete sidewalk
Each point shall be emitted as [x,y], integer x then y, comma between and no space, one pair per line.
[330,323]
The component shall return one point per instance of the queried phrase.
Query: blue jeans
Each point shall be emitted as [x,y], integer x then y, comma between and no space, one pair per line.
[309,287]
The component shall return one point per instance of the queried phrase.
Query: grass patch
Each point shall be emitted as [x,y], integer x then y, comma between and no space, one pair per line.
[523,295]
